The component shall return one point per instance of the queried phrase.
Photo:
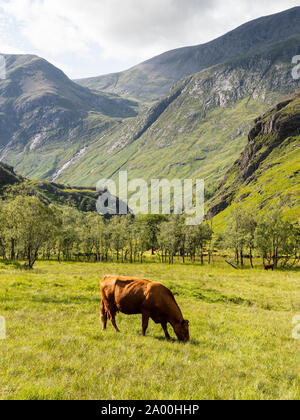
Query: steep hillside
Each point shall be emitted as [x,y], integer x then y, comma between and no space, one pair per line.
[268,170]
[83,199]
[41,107]
[199,129]
[8,176]
[152,79]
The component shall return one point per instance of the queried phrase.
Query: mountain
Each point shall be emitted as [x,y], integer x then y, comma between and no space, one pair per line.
[268,171]
[199,129]
[56,130]
[41,107]
[152,79]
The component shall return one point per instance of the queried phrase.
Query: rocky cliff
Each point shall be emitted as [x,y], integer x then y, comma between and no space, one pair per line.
[269,167]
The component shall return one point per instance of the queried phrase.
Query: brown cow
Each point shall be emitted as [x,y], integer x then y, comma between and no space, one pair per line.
[133,296]
[269,267]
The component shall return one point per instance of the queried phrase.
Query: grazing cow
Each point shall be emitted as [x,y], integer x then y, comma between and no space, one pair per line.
[133,296]
[269,267]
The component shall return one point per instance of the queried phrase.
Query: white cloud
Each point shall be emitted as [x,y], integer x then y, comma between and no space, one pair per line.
[125,31]
[121,28]
[10,49]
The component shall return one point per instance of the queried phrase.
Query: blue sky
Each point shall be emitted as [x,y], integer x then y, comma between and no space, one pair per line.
[93,37]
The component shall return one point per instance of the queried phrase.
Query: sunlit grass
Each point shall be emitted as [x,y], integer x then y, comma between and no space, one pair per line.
[241,330]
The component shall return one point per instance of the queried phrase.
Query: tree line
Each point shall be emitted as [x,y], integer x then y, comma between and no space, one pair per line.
[30,230]
[274,239]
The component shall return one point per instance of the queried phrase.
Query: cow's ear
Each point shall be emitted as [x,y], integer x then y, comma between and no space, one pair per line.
[185,322]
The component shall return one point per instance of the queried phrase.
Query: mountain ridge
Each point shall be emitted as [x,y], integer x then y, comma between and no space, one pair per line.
[207,113]
[153,78]
[36,97]
[41,107]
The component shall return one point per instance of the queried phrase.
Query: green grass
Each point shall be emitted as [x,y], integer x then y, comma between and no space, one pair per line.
[241,335]
[277,180]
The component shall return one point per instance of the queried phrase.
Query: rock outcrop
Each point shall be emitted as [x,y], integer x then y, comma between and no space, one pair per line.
[272,142]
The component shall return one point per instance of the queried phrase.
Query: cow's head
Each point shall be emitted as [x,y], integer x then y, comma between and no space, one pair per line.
[182,331]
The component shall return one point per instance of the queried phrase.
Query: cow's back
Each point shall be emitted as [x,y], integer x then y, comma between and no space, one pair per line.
[126,294]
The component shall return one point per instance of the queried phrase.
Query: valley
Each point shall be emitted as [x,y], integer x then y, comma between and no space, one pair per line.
[56,130]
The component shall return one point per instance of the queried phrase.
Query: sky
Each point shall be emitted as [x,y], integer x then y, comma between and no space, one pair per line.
[94,37]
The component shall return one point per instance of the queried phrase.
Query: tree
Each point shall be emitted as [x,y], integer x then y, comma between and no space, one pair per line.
[235,234]
[197,240]
[96,230]
[50,247]
[11,227]
[172,237]
[151,229]
[203,237]
[32,223]
[68,235]
[141,240]
[240,233]
[276,238]
[249,226]
[118,234]
[3,223]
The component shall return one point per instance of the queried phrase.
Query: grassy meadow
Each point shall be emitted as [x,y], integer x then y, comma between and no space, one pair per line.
[240,323]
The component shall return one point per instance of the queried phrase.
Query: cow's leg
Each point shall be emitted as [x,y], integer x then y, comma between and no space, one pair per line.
[165,328]
[113,321]
[103,316]
[145,323]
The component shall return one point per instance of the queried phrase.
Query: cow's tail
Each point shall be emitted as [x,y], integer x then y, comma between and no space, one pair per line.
[103,304]
[103,297]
